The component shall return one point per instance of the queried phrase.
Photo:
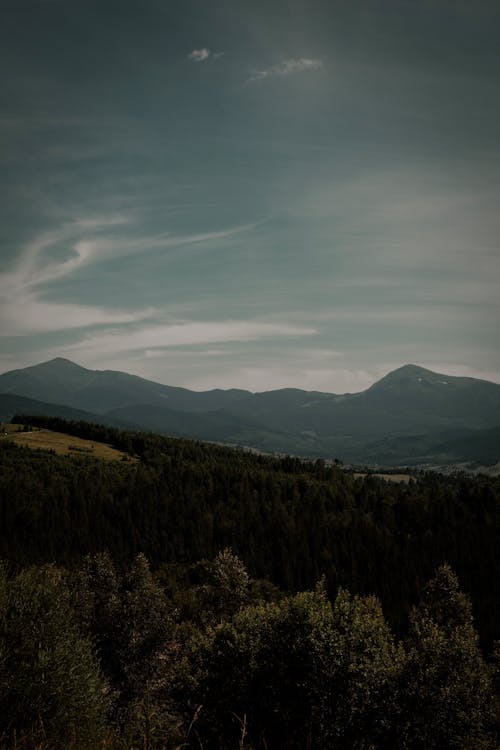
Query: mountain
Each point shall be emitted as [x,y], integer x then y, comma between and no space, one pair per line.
[10,405]
[64,382]
[406,400]
[410,416]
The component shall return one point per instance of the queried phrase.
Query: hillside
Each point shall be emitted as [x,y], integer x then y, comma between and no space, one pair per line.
[198,580]
[290,520]
[60,443]
[410,416]
[11,404]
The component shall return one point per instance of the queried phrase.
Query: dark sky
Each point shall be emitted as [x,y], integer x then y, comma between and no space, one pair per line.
[253,194]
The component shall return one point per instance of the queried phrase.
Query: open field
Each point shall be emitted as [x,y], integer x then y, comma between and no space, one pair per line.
[60,443]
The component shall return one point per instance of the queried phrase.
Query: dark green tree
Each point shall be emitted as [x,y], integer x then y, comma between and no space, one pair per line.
[446,695]
[50,685]
[229,583]
[96,596]
[297,673]
[145,626]
[356,666]
[128,617]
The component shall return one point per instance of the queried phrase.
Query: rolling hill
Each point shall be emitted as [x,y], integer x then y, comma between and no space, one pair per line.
[11,404]
[410,416]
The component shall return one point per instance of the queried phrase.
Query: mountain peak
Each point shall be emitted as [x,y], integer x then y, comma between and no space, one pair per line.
[419,382]
[409,371]
[61,362]
[410,376]
[57,366]
[375,425]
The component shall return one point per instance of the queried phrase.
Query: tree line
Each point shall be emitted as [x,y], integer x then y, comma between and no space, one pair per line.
[99,657]
[290,521]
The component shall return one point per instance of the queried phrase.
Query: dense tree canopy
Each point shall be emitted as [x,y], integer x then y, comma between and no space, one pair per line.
[198,596]
[290,521]
[99,658]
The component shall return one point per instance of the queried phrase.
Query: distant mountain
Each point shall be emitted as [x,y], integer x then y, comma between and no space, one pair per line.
[216,426]
[406,400]
[63,382]
[410,416]
[10,405]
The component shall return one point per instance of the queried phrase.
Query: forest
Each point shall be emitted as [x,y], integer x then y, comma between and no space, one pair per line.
[201,597]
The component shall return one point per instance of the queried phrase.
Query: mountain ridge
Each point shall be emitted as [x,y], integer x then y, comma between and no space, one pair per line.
[409,406]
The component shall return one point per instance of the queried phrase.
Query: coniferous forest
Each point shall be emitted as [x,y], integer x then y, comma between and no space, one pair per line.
[196,596]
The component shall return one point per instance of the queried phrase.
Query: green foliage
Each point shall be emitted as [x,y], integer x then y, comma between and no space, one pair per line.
[302,673]
[293,673]
[289,521]
[225,588]
[202,639]
[447,692]
[96,599]
[231,577]
[127,617]
[359,664]
[50,684]
[299,672]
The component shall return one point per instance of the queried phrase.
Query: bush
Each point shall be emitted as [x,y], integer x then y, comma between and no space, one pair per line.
[51,686]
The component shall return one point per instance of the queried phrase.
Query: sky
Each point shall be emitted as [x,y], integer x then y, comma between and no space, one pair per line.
[251,194]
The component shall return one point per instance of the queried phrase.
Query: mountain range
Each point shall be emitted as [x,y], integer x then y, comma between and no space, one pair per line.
[411,416]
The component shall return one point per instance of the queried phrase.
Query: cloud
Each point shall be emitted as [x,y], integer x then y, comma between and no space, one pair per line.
[202,55]
[161,336]
[25,308]
[287,67]
[36,269]
[86,244]
[32,315]
[199,55]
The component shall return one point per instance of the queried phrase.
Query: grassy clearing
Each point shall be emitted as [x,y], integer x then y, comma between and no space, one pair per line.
[60,443]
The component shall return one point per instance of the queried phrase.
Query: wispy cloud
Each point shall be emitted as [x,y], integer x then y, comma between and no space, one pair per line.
[287,67]
[25,310]
[35,268]
[33,315]
[56,255]
[159,337]
[97,249]
[86,242]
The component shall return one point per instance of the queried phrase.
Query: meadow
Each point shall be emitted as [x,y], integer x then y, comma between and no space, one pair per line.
[39,438]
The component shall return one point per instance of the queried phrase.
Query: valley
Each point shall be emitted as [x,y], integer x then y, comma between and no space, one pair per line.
[411,417]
